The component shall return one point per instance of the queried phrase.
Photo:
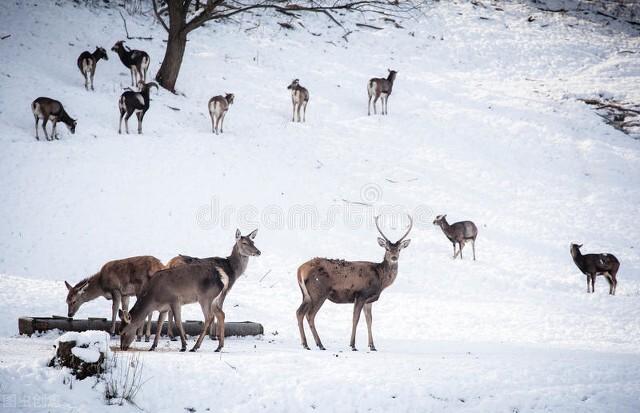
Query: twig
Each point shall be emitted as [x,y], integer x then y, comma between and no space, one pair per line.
[263,277]
[6,36]
[356,202]
[368,26]
[127,31]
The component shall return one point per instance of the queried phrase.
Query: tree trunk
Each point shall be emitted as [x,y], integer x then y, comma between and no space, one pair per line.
[170,68]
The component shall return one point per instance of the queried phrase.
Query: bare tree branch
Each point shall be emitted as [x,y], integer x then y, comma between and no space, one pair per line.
[158,17]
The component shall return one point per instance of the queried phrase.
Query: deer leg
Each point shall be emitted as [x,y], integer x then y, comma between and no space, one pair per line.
[208,315]
[588,283]
[298,112]
[473,246]
[37,121]
[593,283]
[222,121]
[213,124]
[311,319]
[54,133]
[132,76]
[219,314]
[93,71]
[293,112]
[460,245]
[139,115]
[177,314]
[369,106]
[161,318]
[217,120]
[357,309]
[455,254]
[170,325]
[304,112]
[369,318]
[300,313]
[375,99]
[115,305]
[126,122]
[147,333]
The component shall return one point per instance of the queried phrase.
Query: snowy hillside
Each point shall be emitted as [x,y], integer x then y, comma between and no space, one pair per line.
[483,124]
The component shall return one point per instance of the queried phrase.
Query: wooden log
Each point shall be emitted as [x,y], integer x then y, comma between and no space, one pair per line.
[31,325]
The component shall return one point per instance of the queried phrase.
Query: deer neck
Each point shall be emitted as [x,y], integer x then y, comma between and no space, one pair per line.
[91,290]
[140,309]
[238,262]
[389,271]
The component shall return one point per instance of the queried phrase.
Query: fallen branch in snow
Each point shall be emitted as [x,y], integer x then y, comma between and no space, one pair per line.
[6,36]
[173,108]
[264,276]
[368,26]
[618,115]
[286,25]
[346,201]
[127,31]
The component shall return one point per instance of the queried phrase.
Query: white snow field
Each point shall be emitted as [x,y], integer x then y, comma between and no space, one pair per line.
[483,124]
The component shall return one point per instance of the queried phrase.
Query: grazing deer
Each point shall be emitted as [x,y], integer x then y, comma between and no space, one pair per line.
[87,64]
[358,282]
[299,98]
[207,283]
[136,60]
[593,265]
[116,281]
[380,88]
[131,102]
[218,107]
[49,109]
[460,233]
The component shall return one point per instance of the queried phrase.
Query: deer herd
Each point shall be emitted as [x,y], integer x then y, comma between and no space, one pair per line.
[138,101]
[207,281]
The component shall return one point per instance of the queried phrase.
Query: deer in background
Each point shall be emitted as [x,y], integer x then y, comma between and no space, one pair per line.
[380,88]
[116,281]
[593,265]
[137,61]
[87,64]
[218,107]
[459,233]
[207,282]
[49,109]
[131,102]
[358,282]
[299,98]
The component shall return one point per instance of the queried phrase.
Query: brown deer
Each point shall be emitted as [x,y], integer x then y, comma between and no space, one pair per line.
[358,282]
[116,281]
[459,232]
[593,265]
[218,107]
[87,63]
[206,282]
[380,88]
[299,98]
[49,109]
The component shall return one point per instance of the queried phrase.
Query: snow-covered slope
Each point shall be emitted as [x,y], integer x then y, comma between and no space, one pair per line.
[483,125]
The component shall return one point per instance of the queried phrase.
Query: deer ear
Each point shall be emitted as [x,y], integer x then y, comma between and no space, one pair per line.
[253,234]
[405,243]
[238,234]
[580,246]
[69,287]
[382,242]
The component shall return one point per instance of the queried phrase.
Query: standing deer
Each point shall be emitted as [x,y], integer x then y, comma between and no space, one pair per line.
[49,109]
[87,63]
[131,102]
[299,98]
[136,60]
[218,107]
[459,233]
[380,88]
[593,265]
[358,282]
[116,281]
[207,283]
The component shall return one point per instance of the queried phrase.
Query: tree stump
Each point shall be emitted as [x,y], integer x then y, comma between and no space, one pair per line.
[83,357]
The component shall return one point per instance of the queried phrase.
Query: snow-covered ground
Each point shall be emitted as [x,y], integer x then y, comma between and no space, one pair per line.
[483,125]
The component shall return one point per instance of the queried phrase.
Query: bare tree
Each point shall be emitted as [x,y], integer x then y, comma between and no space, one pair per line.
[179,18]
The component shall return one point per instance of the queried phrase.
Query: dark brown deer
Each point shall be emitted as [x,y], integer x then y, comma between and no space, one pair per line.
[207,283]
[116,281]
[87,63]
[49,109]
[299,98]
[459,233]
[380,88]
[593,265]
[131,102]
[136,60]
[358,282]
[218,107]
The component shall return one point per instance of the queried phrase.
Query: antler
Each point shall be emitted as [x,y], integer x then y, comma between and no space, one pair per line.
[405,234]
[408,230]
[379,230]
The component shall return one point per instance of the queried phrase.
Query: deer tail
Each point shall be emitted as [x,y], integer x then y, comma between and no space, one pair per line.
[302,278]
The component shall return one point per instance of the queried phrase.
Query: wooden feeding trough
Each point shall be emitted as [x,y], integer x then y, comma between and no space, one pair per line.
[30,325]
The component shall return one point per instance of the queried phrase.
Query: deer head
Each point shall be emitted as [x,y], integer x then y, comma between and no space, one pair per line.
[75,296]
[393,248]
[245,245]
[294,84]
[127,330]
